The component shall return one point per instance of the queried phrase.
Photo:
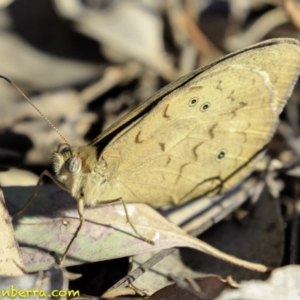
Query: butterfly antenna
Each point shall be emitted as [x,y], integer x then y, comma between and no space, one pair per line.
[49,122]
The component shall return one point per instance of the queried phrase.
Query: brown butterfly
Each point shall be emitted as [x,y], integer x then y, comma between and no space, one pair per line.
[200,135]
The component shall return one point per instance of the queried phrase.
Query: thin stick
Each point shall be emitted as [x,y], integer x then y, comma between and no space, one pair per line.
[132,276]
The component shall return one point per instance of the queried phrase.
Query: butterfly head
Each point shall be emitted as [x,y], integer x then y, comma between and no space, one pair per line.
[69,162]
[65,162]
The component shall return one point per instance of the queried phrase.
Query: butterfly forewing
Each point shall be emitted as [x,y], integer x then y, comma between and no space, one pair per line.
[260,55]
[203,136]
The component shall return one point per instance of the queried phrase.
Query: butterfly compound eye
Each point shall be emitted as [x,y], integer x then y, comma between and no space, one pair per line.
[73,164]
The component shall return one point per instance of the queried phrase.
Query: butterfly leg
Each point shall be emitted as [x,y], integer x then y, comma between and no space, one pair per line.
[128,219]
[80,209]
[132,226]
[34,194]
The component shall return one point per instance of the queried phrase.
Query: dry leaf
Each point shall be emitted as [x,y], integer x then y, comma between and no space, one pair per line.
[47,226]
[11,260]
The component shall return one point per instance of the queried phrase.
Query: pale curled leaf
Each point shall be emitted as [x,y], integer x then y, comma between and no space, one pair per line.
[47,226]
[282,285]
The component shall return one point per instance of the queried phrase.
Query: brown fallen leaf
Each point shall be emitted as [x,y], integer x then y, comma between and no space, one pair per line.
[208,288]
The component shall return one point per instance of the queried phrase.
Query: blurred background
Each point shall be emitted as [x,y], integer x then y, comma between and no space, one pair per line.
[87,63]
